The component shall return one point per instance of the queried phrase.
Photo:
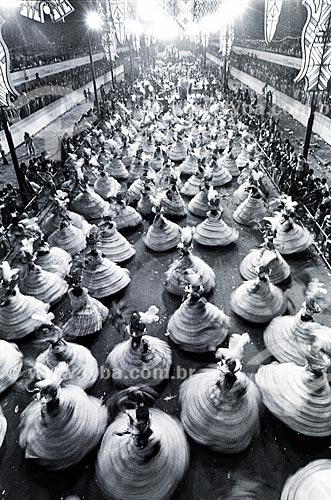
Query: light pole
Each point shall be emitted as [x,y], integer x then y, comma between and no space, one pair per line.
[94,22]
[19,174]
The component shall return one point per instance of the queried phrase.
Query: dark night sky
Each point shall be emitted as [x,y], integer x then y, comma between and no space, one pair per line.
[291,20]
[26,35]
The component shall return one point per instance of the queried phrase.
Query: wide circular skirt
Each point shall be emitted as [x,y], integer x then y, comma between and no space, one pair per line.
[107,279]
[288,338]
[126,472]
[312,482]
[227,423]
[280,270]
[215,233]
[198,327]
[297,397]
[86,321]
[296,240]
[163,238]
[133,367]
[176,282]
[260,306]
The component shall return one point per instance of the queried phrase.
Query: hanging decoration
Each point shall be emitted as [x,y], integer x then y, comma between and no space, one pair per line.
[37,9]
[203,8]
[7,90]
[185,16]
[316,46]
[226,39]
[118,12]
[271,17]
[108,35]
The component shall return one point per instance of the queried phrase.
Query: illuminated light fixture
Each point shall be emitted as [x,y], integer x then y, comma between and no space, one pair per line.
[94,20]
[9,4]
[37,9]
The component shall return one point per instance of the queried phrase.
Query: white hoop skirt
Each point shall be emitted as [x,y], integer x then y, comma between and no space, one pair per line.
[225,420]
[240,194]
[104,278]
[59,438]
[54,222]
[312,482]
[106,186]
[175,207]
[198,326]
[11,362]
[135,190]
[178,152]
[16,316]
[133,367]
[126,472]
[117,169]
[87,316]
[289,337]
[280,270]
[3,427]
[156,163]
[199,204]
[136,170]
[230,164]
[297,397]
[221,177]
[176,281]
[192,186]
[89,204]
[82,367]
[189,165]
[44,286]
[163,236]
[214,232]
[145,204]
[243,159]
[69,238]
[115,247]
[296,240]
[127,218]
[258,303]
[250,211]
[55,260]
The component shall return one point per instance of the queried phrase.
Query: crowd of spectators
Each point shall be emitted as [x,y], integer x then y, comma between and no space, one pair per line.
[41,92]
[288,46]
[19,61]
[280,78]
[290,171]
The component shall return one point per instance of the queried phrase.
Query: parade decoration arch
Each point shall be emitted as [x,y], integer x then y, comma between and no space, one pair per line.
[316,46]
[7,90]
[37,9]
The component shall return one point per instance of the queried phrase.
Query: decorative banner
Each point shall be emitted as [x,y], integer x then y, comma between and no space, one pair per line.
[271,17]
[226,38]
[118,12]
[36,9]
[316,46]
[204,8]
[185,16]
[108,34]
[6,87]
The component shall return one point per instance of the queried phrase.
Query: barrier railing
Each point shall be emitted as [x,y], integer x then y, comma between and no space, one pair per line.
[322,241]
